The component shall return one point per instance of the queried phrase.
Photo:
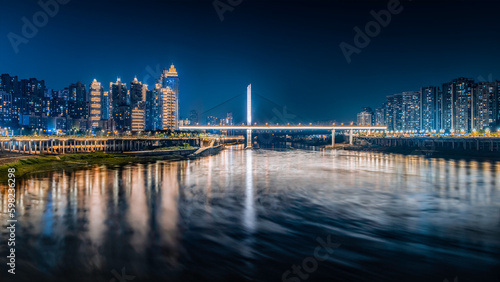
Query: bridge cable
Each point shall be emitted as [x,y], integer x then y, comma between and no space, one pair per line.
[228,100]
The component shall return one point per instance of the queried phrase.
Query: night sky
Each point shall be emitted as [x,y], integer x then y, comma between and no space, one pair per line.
[288,50]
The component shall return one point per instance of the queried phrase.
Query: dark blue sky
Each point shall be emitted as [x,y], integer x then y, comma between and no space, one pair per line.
[288,50]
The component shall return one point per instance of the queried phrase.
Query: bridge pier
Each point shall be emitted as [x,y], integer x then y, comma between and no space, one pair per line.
[249,138]
[333,138]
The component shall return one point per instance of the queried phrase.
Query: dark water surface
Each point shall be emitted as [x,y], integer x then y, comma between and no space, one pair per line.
[253,214]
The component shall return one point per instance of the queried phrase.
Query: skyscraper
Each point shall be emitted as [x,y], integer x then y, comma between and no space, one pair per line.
[120,105]
[106,105]
[32,93]
[365,118]
[162,103]
[138,118]
[484,105]
[429,108]
[95,93]
[380,116]
[137,92]
[496,108]
[170,79]
[153,109]
[77,101]
[394,112]
[447,106]
[5,108]
[193,116]
[59,105]
[463,93]
[411,111]
[10,86]
[169,114]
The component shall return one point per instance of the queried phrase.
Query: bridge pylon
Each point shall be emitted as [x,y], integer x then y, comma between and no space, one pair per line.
[249,115]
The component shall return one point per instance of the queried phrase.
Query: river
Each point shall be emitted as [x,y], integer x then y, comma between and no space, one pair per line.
[260,215]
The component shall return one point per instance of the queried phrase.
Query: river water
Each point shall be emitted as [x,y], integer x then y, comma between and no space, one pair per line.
[261,215]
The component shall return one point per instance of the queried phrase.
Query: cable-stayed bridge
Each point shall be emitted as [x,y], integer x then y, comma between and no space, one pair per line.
[249,127]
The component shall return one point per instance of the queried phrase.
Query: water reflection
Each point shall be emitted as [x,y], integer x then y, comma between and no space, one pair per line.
[251,214]
[249,217]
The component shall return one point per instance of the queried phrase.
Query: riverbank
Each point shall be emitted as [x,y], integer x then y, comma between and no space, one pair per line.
[441,153]
[33,164]
[29,164]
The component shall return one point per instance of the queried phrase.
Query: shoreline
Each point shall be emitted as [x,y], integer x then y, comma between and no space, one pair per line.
[28,165]
[452,154]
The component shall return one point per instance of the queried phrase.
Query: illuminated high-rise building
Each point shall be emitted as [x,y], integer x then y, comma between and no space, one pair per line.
[484,105]
[137,92]
[496,108]
[229,119]
[77,101]
[10,85]
[429,108]
[120,105]
[153,109]
[170,80]
[394,112]
[364,118]
[162,102]
[5,108]
[411,111]
[138,117]
[95,93]
[463,95]
[106,105]
[380,116]
[193,116]
[456,105]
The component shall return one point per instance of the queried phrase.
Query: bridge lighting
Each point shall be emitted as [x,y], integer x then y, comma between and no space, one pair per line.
[249,104]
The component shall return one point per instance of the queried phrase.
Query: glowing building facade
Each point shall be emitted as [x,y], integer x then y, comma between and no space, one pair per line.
[120,105]
[162,103]
[95,94]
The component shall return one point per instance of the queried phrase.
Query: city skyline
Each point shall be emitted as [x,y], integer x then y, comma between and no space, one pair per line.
[29,103]
[429,109]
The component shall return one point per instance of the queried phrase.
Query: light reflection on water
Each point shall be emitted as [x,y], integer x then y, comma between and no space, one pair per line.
[251,214]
